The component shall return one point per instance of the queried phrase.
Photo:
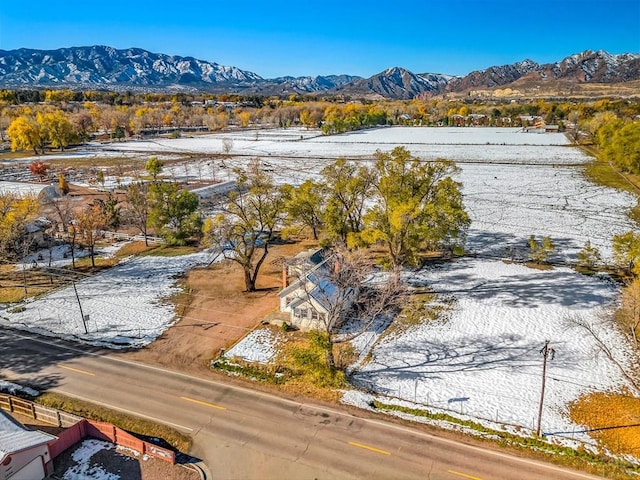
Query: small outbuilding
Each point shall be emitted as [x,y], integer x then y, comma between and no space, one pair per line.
[24,453]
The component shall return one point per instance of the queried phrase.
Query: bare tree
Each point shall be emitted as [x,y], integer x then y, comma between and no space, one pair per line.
[347,289]
[227,146]
[89,224]
[629,313]
[60,212]
[597,329]
[138,207]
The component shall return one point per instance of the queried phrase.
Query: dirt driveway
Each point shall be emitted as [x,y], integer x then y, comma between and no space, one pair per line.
[216,312]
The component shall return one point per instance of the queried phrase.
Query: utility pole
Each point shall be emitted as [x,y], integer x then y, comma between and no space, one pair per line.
[546,351]
[84,322]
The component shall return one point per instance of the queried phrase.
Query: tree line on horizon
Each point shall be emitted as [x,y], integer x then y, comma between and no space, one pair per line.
[57,119]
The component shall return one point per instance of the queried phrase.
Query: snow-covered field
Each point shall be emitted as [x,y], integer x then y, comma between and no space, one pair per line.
[516,184]
[126,306]
[508,203]
[259,346]
[491,145]
[483,359]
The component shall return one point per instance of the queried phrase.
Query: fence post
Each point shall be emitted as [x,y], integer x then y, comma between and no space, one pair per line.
[33,410]
[10,404]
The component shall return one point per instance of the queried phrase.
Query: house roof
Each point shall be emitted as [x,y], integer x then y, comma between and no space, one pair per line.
[324,293]
[15,437]
[291,288]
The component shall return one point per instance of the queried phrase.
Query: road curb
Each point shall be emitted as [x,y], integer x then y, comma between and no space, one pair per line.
[203,470]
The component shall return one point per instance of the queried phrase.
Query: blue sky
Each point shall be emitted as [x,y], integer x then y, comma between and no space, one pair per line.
[275,38]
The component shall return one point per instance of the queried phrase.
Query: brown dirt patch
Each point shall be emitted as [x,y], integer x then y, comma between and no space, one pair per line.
[216,312]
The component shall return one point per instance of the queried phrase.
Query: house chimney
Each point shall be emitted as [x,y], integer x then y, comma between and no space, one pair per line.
[285,279]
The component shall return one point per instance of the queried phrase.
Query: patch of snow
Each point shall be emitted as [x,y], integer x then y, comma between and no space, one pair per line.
[258,346]
[85,468]
[14,388]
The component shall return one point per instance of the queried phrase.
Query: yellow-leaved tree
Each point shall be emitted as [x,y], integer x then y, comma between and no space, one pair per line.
[57,127]
[26,134]
[16,212]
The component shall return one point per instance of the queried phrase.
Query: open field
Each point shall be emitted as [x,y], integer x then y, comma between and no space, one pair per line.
[482,359]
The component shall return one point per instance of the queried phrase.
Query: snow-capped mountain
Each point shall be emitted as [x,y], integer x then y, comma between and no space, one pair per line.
[138,69]
[588,66]
[106,66]
[597,66]
[289,85]
[397,83]
[493,76]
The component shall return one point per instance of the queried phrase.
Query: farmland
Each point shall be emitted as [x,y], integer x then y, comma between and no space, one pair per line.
[481,358]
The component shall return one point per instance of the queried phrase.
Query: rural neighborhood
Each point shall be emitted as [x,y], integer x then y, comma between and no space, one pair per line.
[210,274]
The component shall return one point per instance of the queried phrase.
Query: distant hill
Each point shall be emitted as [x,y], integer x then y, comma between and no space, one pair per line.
[102,67]
[300,85]
[397,83]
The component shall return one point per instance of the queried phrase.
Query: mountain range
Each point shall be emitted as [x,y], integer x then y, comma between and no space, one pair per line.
[103,67]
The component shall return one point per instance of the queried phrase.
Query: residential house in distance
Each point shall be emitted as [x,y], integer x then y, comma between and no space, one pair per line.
[308,295]
[24,453]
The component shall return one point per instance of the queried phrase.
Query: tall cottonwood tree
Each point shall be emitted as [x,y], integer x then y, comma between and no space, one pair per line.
[417,206]
[305,205]
[346,187]
[26,134]
[58,128]
[247,225]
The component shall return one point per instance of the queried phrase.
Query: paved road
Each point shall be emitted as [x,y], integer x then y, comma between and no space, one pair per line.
[245,434]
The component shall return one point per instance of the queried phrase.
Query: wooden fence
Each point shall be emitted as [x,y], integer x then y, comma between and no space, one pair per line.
[38,412]
[78,428]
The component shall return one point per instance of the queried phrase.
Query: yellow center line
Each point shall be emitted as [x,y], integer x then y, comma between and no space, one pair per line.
[367,447]
[206,404]
[77,370]
[471,477]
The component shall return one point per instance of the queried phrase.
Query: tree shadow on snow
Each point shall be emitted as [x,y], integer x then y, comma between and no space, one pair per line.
[433,359]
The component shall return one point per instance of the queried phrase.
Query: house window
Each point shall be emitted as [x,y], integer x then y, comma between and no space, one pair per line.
[288,300]
[314,314]
[296,312]
[303,313]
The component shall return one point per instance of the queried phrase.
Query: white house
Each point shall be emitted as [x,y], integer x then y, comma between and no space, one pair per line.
[312,300]
[24,453]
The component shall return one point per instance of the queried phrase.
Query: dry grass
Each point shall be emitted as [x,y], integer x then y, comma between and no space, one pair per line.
[39,281]
[304,388]
[127,422]
[12,281]
[134,248]
[614,419]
